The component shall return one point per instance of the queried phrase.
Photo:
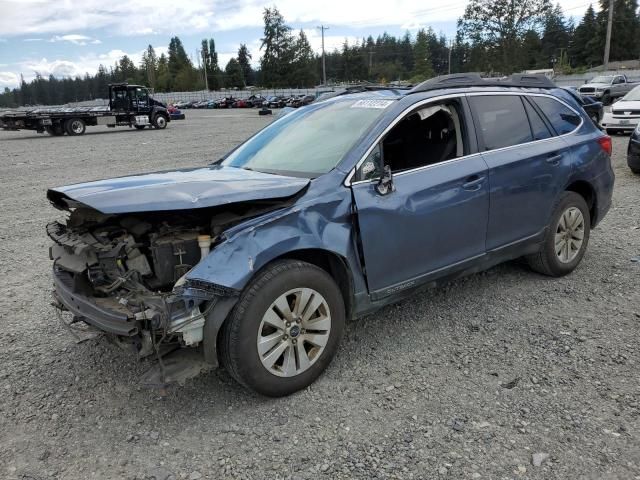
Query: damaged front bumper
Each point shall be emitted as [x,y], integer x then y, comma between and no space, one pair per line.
[179,330]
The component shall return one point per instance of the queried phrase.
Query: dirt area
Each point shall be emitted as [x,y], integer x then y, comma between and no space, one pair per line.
[474,380]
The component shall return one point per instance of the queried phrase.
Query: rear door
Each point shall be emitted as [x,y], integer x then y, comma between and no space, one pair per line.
[528,166]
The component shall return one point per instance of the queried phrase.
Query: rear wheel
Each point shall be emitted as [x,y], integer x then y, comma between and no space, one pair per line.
[285,329]
[75,126]
[160,122]
[566,239]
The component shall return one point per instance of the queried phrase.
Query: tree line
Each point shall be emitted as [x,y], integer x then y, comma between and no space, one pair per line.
[493,36]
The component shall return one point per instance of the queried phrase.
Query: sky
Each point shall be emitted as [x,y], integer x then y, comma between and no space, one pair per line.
[73,37]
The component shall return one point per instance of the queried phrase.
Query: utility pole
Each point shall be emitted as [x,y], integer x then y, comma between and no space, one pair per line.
[204,65]
[450,48]
[607,45]
[324,68]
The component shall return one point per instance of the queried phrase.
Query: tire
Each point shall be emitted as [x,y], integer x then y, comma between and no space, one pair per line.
[611,131]
[635,170]
[56,130]
[268,372]
[140,127]
[547,261]
[160,122]
[75,126]
[606,99]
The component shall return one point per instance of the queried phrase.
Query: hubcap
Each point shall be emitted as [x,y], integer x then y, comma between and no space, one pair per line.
[294,332]
[569,234]
[161,122]
[76,126]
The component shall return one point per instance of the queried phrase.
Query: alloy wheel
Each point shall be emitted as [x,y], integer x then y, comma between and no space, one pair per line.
[293,332]
[569,234]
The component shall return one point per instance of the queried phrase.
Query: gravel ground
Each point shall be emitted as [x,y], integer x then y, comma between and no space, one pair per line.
[504,374]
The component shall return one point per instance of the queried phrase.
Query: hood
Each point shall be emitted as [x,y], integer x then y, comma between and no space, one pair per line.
[626,105]
[177,190]
[595,85]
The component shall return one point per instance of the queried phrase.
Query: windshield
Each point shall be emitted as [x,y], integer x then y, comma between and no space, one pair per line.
[603,79]
[633,94]
[310,141]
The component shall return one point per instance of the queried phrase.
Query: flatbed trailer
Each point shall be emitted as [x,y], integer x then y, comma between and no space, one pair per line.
[129,105]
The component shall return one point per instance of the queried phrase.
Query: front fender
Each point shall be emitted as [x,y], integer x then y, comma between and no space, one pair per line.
[324,224]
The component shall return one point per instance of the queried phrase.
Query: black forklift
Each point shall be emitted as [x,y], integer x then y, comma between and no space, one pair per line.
[129,105]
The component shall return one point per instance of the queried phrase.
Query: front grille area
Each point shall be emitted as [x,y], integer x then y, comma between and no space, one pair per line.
[587,90]
[623,113]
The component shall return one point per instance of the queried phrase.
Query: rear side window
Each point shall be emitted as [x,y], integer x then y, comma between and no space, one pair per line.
[563,119]
[503,120]
[538,127]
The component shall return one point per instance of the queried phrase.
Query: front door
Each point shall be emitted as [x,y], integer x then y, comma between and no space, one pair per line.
[435,218]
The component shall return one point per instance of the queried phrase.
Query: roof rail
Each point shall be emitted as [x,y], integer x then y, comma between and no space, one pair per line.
[459,80]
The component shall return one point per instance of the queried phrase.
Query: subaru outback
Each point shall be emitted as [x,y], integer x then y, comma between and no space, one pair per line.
[327,214]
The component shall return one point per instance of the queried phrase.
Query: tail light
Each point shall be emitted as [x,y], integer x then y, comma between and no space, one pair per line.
[606,144]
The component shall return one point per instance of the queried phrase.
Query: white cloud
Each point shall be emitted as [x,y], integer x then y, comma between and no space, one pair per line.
[75,38]
[8,79]
[143,17]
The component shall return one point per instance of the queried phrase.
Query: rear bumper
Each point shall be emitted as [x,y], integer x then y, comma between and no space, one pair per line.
[618,123]
[100,316]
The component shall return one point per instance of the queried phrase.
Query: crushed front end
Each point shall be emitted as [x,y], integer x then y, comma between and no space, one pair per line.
[126,275]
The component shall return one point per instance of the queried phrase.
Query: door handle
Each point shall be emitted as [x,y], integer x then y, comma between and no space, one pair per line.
[554,159]
[473,183]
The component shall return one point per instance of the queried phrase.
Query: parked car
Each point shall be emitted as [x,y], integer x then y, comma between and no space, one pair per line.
[607,87]
[327,214]
[275,101]
[593,107]
[633,151]
[255,101]
[226,102]
[241,103]
[624,114]
[175,113]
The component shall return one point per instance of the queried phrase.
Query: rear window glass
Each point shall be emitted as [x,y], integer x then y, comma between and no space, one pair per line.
[563,119]
[538,127]
[503,120]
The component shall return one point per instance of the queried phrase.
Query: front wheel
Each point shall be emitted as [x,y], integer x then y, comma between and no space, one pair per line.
[606,99]
[284,330]
[566,239]
[140,127]
[160,122]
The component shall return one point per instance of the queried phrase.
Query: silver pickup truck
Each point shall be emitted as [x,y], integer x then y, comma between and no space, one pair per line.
[607,88]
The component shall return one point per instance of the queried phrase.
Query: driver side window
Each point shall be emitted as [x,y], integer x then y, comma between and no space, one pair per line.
[429,135]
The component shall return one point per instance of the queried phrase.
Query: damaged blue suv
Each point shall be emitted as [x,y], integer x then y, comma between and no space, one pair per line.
[327,214]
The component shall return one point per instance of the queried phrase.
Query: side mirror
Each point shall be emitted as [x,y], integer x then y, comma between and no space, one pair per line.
[385,184]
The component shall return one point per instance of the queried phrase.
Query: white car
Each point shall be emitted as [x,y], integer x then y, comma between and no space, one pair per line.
[624,114]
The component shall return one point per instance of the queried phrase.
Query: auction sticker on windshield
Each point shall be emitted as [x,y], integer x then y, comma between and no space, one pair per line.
[372,104]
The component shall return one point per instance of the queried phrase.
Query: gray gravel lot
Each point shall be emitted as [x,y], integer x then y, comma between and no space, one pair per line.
[473,380]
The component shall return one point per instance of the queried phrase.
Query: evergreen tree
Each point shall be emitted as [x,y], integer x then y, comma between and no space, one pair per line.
[244,59]
[423,68]
[277,46]
[234,77]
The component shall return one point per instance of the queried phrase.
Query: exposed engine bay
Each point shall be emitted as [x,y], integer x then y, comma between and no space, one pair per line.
[125,273]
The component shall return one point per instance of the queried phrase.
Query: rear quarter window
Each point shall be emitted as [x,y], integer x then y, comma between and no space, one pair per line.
[562,118]
[503,120]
